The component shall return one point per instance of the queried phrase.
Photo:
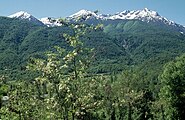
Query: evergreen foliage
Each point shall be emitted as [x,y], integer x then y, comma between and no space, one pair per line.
[83,72]
[173,92]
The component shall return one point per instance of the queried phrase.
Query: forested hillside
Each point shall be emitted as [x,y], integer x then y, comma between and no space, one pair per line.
[116,46]
[81,71]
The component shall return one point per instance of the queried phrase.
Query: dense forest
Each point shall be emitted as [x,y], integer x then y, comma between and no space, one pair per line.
[115,71]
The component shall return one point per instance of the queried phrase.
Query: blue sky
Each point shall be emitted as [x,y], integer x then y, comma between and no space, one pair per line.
[171,9]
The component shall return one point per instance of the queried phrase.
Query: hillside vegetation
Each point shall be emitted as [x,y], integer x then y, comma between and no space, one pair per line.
[85,72]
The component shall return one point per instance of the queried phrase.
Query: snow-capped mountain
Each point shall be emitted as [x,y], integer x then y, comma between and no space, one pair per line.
[84,15]
[145,15]
[22,15]
[26,16]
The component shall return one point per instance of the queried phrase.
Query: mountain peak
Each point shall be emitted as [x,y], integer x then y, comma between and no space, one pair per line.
[21,14]
[25,16]
[146,9]
[145,15]
[136,14]
[84,14]
[150,12]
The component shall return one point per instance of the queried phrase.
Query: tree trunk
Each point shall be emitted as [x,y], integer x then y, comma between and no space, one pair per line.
[129,111]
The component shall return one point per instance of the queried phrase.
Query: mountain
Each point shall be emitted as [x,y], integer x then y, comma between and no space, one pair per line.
[140,38]
[145,15]
[92,17]
[120,44]
[84,15]
[26,16]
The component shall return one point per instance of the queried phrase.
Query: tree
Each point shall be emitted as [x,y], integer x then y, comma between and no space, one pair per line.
[173,91]
[61,89]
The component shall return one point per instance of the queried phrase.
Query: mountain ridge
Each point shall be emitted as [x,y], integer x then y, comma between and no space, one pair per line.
[145,15]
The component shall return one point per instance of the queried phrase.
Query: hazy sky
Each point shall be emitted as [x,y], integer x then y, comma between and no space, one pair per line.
[171,9]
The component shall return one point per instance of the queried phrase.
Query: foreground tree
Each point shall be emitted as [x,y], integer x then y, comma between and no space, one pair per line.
[173,91]
[62,88]
[64,74]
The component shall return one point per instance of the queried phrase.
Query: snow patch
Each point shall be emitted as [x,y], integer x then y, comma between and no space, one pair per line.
[51,22]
